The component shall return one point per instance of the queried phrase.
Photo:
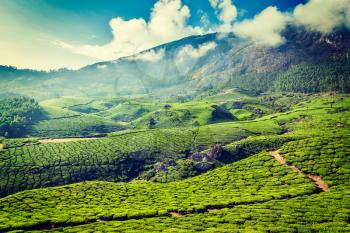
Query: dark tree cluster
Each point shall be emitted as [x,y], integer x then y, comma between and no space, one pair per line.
[16,115]
[302,78]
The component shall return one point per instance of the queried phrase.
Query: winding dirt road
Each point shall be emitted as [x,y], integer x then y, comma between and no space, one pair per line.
[314,178]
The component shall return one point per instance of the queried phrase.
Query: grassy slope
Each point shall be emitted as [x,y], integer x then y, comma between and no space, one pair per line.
[107,159]
[320,129]
[86,116]
[71,117]
[324,212]
[255,179]
[117,158]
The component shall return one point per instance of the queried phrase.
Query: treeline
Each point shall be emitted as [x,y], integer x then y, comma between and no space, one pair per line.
[311,78]
[16,114]
[254,82]
[303,78]
[13,72]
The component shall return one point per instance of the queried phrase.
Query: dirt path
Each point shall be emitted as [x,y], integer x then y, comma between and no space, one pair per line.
[60,140]
[314,178]
[319,182]
[175,214]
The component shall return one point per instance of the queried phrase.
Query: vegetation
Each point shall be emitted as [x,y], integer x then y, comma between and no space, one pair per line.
[113,159]
[315,77]
[77,126]
[324,156]
[255,179]
[87,117]
[302,78]
[212,177]
[16,114]
[324,212]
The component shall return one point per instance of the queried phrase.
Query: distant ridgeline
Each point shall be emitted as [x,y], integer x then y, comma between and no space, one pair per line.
[307,62]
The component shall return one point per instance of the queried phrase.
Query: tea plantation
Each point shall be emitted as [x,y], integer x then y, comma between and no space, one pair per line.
[134,180]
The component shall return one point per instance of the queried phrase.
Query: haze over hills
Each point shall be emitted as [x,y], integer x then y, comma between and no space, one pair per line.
[199,62]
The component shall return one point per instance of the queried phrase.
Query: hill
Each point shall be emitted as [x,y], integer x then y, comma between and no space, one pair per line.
[199,63]
[247,189]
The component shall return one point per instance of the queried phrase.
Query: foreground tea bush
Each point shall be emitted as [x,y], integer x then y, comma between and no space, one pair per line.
[255,179]
[243,196]
[324,156]
[325,212]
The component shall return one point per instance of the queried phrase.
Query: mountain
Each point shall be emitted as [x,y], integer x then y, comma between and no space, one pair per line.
[306,62]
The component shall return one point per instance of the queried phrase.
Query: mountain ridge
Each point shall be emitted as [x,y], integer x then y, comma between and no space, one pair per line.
[198,63]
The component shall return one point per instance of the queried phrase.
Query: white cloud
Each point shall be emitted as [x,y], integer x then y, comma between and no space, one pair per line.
[323,15]
[148,56]
[204,20]
[188,56]
[194,53]
[226,12]
[265,28]
[168,22]
[318,15]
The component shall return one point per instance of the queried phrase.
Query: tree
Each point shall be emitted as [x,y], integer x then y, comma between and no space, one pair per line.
[151,123]
[16,114]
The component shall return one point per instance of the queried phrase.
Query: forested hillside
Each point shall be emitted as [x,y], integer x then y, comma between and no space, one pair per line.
[332,75]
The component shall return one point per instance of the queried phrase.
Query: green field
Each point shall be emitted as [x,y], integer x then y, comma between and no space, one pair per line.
[177,176]
[88,116]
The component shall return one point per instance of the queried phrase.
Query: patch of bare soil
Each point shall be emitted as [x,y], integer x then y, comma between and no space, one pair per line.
[175,214]
[319,182]
[212,210]
[314,178]
[60,140]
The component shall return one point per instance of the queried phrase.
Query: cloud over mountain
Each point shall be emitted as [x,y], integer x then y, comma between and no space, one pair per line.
[323,15]
[169,21]
[226,12]
[194,53]
[148,56]
[187,57]
[265,28]
[316,15]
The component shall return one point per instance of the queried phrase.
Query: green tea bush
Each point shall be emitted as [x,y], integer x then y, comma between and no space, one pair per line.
[112,159]
[251,180]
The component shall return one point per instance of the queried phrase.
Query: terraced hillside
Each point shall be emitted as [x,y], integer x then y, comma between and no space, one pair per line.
[152,180]
[124,155]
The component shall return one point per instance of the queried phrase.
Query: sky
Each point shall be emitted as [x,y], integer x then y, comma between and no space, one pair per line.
[52,34]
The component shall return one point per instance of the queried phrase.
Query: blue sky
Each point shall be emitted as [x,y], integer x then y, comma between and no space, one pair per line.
[45,34]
